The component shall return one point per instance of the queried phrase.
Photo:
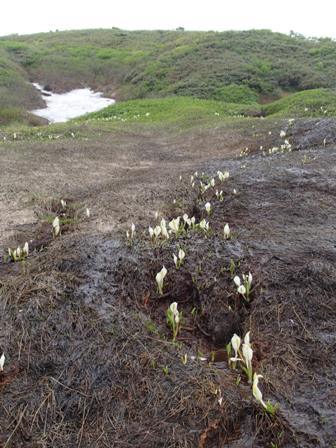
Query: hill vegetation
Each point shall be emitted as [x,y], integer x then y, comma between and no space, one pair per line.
[235,67]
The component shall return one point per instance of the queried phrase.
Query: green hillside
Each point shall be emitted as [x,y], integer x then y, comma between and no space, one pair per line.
[235,67]
[310,103]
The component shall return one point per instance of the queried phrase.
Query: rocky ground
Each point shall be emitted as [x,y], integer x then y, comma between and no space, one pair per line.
[89,356]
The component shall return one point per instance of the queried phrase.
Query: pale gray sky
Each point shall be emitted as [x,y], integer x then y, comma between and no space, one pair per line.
[309,18]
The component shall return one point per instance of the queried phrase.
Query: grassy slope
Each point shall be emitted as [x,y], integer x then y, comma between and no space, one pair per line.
[310,103]
[136,64]
[184,111]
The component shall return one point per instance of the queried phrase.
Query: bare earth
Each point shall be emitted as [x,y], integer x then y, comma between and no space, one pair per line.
[84,330]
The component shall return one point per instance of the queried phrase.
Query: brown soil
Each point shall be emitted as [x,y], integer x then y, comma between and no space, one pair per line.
[90,360]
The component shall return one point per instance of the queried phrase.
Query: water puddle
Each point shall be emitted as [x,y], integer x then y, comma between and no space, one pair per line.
[61,107]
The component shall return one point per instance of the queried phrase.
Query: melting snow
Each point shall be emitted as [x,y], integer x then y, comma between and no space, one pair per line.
[62,107]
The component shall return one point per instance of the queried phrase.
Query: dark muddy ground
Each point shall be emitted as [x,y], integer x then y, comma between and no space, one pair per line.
[90,360]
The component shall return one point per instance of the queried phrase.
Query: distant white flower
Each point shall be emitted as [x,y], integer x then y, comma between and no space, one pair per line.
[242,290]
[25,249]
[181,255]
[204,225]
[174,225]
[164,230]
[160,278]
[151,231]
[56,226]
[132,231]
[247,339]
[223,176]
[237,281]
[186,219]
[63,203]
[235,342]
[227,231]
[87,212]
[212,182]
[256,391]
[282,133]
[247,279]
[156,215]
[180,177]
[173,307]
[2,362]
[193,220]
[157,231]
[208,208]
[178,260]
[234,191]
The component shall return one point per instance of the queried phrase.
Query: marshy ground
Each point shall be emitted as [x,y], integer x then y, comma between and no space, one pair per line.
[90,360]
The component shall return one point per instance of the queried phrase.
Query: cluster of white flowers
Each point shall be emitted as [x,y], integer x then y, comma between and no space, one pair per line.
[244,287]
[245,356]
[19,254]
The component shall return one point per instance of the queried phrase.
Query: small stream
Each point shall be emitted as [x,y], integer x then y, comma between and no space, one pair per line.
[61,107]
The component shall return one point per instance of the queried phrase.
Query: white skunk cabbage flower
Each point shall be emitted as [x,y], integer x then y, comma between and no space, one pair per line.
[193,220]
[186,219]
[234,191]
[156,215]
[180,177]
[164,230]
[235,342]
[132,230]
[247,339]
[159,279]
[157,231]
[18,252]
[63,203]
[181,255]
[208,208]
[25,250]
[248,355]
[174,225]
[256,391]
[282,133]
[151,231]
[56,226]
[204,225]
[212,182]
[2,362]
[237,281]
[227,231]
[173,308]
[178,260]
[87,212]
[241,290]
[248,279]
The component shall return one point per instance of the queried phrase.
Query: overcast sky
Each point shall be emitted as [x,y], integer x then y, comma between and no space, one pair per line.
[309,18]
